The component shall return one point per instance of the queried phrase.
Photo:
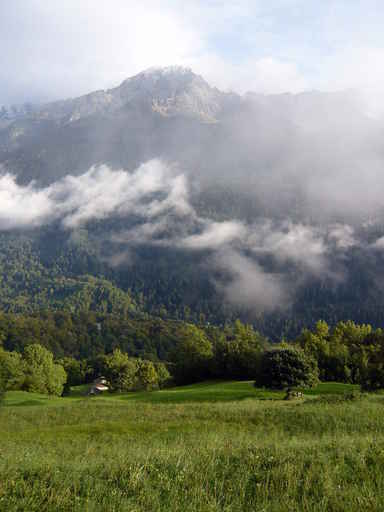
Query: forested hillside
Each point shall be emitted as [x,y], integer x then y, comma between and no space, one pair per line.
[54,271]
[168,197]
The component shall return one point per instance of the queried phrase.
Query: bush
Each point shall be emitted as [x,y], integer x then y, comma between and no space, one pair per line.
[287,367]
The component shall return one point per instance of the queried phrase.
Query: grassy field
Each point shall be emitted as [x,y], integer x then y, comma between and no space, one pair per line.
[207,447]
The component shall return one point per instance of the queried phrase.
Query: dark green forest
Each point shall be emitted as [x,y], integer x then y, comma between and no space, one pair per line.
[52,270]
[88,344]
[59,291]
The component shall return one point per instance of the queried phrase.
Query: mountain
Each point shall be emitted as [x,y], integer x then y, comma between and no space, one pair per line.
[168,91]
[148,115]
[170,196]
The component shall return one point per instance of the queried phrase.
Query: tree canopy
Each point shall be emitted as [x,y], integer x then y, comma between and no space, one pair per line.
[287,367]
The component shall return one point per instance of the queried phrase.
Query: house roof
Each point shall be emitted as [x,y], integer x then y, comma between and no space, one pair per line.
[100,387]
[100,380]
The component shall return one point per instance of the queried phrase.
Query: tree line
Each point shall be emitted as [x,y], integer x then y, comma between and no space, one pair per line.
[49,269]
[347,352]
[130,353]
[32,370]
[151,353]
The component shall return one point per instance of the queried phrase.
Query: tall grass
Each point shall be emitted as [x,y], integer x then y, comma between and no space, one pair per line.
[126,454]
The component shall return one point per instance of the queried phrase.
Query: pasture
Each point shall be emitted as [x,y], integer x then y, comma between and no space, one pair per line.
[207,447]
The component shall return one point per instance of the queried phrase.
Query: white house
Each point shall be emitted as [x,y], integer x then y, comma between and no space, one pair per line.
[98,386]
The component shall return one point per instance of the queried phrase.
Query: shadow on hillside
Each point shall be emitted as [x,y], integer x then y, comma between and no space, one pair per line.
[199,396]
[24,403]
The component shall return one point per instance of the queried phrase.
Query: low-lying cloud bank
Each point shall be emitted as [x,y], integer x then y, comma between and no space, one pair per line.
[257,259]
[97,194]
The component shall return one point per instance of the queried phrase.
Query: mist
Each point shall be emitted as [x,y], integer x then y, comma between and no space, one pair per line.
[255,264]
[98,193]
[313,156]
[274,187]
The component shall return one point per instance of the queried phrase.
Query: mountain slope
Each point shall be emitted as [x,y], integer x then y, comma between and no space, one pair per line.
[202,204]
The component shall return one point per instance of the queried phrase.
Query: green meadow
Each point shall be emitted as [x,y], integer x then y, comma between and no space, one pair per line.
[207,447]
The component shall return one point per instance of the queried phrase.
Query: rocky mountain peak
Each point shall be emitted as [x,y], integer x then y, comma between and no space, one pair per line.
[169,91]
[172,90]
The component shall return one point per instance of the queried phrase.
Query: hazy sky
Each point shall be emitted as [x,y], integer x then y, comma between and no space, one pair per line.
[53,49]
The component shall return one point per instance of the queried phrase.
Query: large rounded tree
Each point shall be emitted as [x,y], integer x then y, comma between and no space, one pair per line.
[287,367]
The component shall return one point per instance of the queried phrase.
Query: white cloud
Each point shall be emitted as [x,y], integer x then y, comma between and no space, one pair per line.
[157,195]
[147,232]
[342,235]
[378,244]
[58,49]
[249,285]
[71,48]
[22,206]
[271,76]
[356,67]
[303,245]
[215,235]
[151,190]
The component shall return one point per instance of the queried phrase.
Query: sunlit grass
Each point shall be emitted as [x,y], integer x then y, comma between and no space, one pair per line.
[213,449]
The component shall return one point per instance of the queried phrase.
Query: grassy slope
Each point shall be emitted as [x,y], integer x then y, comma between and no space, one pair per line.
[135,452]
[202,392]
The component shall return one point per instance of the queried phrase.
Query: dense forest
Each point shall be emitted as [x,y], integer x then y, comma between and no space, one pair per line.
[52,270]
[152,352]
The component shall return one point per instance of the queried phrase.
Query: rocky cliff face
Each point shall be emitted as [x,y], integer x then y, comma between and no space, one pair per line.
[168,91]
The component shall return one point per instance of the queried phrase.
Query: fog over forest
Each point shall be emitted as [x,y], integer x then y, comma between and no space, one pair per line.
[274,189]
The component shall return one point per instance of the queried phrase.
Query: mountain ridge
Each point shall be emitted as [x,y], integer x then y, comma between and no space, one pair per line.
[168,90]
[174,114]
[274,192]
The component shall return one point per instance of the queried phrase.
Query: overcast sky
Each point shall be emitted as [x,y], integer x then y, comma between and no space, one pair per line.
[52,49]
